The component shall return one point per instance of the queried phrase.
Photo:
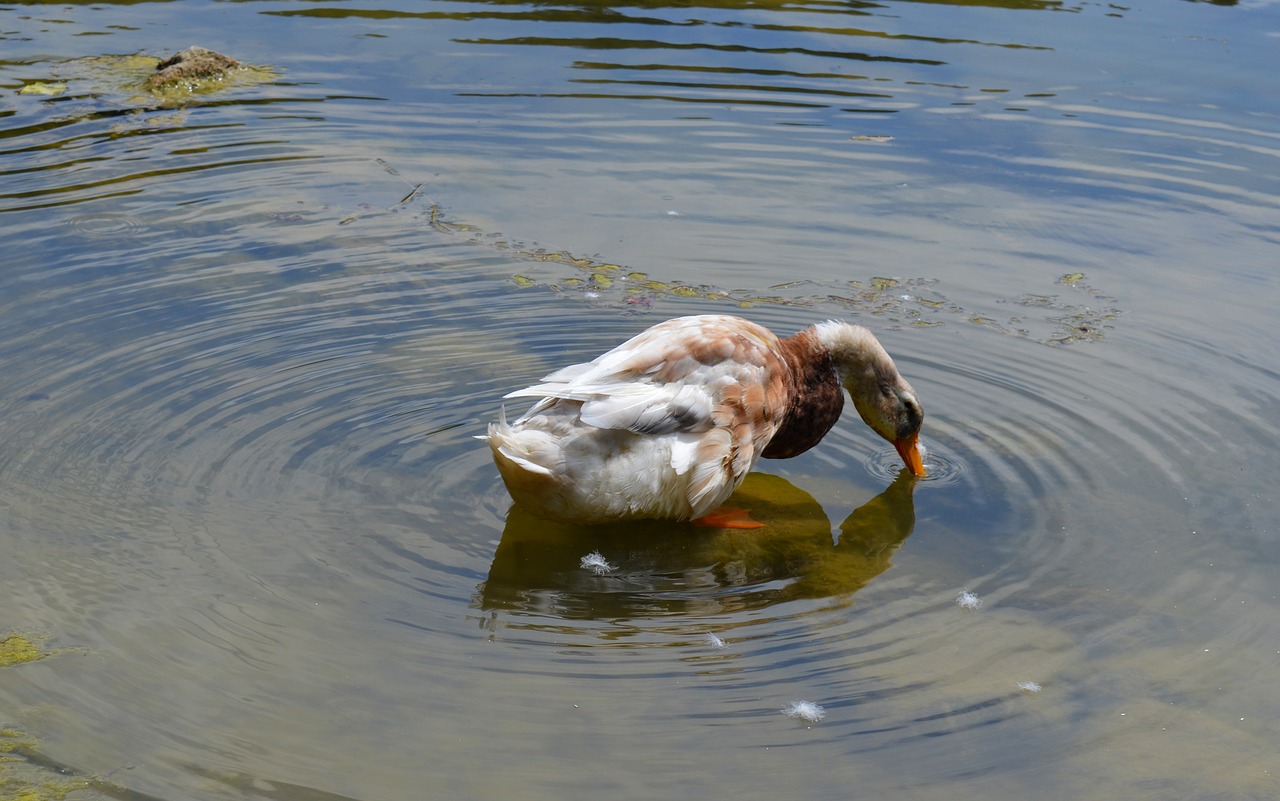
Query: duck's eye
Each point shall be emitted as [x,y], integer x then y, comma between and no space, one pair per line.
[914,414]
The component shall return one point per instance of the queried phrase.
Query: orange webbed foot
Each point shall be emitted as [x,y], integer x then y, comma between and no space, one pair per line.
[728,517]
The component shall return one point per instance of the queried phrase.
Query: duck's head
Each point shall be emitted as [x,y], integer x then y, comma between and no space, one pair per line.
[883,398]
[894,412]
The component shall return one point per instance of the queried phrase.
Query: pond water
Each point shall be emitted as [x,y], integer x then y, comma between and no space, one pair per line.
[248,338]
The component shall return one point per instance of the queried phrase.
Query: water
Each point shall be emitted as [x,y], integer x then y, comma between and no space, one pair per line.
[247,342]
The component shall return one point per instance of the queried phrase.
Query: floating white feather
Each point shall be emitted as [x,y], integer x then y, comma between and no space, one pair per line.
[804,710]
[968,600]
[596,563]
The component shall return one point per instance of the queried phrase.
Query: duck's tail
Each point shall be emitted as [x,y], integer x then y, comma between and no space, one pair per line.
[530,450]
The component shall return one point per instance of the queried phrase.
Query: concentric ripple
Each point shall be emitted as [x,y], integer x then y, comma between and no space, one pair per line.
[870,628]
[248,342]
[105,225]
[940,465]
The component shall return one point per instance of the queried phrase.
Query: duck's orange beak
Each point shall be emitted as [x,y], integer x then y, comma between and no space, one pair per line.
[909,450]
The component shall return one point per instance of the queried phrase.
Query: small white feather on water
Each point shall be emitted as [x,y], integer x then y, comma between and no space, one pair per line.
[1029,686]
[596,563]
[805,710]
[968,600]
[714,641]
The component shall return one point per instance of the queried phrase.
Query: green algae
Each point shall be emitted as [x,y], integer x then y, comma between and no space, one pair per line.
[141,80]
[45,88]
[915,302]
[12,740]
[23,778]
[18,649]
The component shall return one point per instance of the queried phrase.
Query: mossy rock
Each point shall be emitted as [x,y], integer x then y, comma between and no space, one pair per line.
[193,69]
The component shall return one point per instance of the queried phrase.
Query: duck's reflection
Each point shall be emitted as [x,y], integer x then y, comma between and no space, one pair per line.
[664,568]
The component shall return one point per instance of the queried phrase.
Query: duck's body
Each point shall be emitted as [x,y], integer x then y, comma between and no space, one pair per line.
[669,423]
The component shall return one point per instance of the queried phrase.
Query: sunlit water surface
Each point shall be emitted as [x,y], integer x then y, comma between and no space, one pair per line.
[247,342]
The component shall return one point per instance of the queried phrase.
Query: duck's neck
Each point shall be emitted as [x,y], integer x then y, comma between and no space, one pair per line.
[859,358]
[816,396]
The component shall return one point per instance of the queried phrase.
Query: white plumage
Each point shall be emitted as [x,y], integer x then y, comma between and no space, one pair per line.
[669,423]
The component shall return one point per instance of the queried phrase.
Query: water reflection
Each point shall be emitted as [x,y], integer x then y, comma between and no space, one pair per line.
[786,56]
[664,568]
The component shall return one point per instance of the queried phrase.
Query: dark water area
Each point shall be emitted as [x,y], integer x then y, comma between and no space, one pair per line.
[251,548]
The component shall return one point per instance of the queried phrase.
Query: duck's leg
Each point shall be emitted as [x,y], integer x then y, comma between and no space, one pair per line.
[728,517]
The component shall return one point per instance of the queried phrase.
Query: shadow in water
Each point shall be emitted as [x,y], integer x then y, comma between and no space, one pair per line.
[664,568]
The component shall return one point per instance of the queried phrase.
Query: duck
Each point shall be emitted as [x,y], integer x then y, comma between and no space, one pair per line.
[669,423]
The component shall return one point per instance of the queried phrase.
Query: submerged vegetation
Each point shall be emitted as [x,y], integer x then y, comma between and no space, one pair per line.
[144,80]
[1084,316]
[26,774]
[17,649]
[23,779]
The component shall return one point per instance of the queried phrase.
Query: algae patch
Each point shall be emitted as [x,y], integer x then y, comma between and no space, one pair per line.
[22,779]
[1086,314]
[12,740]
[139,79]
[43,88]
[18,649]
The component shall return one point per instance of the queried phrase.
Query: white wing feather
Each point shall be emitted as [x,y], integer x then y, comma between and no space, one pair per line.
[679,387]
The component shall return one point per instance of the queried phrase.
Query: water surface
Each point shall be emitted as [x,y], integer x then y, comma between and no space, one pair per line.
[248,340]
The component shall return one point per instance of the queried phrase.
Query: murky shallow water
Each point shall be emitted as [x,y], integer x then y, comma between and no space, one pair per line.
[247,343]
